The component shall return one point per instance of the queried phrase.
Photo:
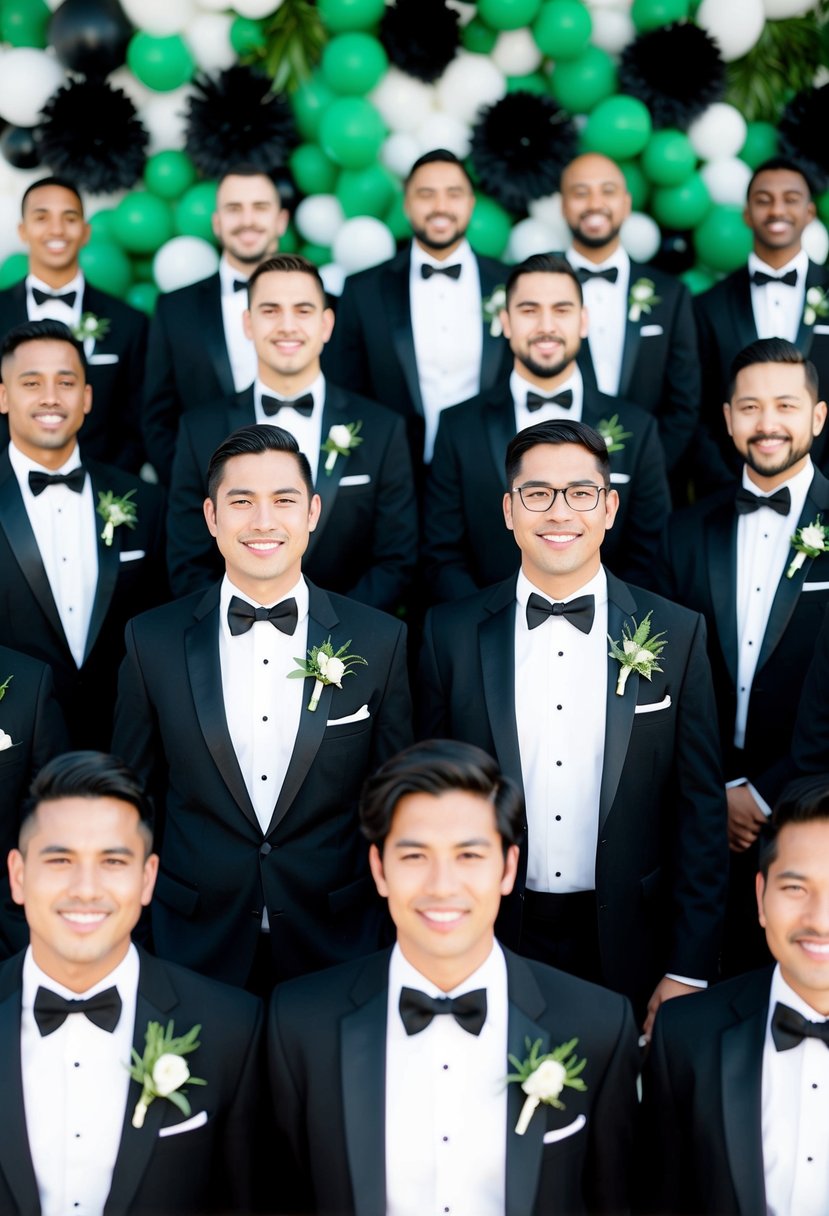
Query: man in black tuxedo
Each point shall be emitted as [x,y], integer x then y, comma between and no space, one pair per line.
[780,293]
[197,350]
[623,865]
[388,1073]
[82,996]
[54,229]
[411,333]
[263,874]
[730,558]
[68,581]
[466,546]
[365,543]
[642,344]
[736,1088]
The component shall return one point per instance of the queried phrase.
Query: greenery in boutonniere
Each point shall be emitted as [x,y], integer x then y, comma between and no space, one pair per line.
[642,298]
[114,510]
[162,1071]
[492,307]
[542,1078]
[613,433]
[4,687]
[816,305]
[341,439]
[326,666]
[92,327]
[638,652]
[809,541]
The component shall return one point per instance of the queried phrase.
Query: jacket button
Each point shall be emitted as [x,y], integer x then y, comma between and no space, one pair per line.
[266,848]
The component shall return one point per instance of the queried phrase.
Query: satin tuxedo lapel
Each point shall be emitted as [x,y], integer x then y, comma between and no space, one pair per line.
[721,560]
[741,1059]
[619,710]
[18,304]
[498,419]
[212,328]
[334,413]
[15,1157]
[492,349]
[815,277]
[496,639]
[15,523]
[109,561]
[396,299]
[363,1076]
[630,348]
[526,1004]
[742,314]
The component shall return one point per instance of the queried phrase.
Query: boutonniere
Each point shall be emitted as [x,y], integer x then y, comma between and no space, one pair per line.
[809,541]
[613,433]
[162,1070]
[542,1078]
[642,298]
[326,666]
[492,307]
[341,439]
[91,327]
[114,510]
[4,687]
[639,652]
[816,305]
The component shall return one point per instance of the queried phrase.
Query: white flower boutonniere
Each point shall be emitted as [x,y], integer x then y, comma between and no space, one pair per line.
[642,298]
[91,327]
[492,306]
[816,305]
[326,667]
[114,510]
[639,652]
[341,439]
[613,433]
[542,1078]
[809,541]
[162,1071]
[5,741]
[4,687]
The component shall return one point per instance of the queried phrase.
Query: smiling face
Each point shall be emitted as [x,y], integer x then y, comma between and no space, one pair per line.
[289,325]
[439,204]
[778,208]
[544,323]
[249,220]
[595,203]
[773,419]
[82,880]
[46,397]
[54,229]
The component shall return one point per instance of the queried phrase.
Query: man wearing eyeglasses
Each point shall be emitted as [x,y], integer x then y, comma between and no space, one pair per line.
[623,863]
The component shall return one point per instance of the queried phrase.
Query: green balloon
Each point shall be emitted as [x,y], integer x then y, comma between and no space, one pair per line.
[24,23]
[366,191]
[477,37]
[101,224]
[697,280]
[682,206]
[352,64]
[311,169]
[247,35]
[340,16]
[142,222]
[397,220]
[534,82]
[508,14]
[309,102]
[143,297]
[580,84]
[637,184]
[351,132]
[651,14]
[668,158]
[618,127]
[722,240]
[142,269]
[168,174]
[160,63]
[489,227]
[289,242]
[13,269]
[320,255]
[760,144]
[562,29]
[107,267]
[193,215]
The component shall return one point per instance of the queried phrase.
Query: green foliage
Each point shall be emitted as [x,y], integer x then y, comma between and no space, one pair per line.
[781,63]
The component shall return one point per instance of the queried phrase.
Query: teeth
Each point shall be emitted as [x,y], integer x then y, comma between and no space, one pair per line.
[816,947]
[49,418]
[558,539]
[264,545]
[442,917]
[84,918]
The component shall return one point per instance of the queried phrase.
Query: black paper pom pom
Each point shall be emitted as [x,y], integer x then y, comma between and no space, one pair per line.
[91,133]
[520,146]
[676,70]
[420,37]
[803,129]
[234,118]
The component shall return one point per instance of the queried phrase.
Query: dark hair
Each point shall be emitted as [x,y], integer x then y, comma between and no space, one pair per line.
[247,169]
[785,163]
[556,433]
[543,263]
[63,182]
[287,263]
[85,775]
[41,331]
[802,801]
[437,767]
[253,441]
[438,156]
[772,350]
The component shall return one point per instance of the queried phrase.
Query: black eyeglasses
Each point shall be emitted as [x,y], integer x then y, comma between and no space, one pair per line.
[541,498]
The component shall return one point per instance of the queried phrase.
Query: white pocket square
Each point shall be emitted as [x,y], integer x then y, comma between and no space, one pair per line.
[132,555]
[821,329]
[189,1125]
[815,587]
[99,359]
[651,709]
[621,479]
[359,479]
[561,1133]
[651,331]
[361,714]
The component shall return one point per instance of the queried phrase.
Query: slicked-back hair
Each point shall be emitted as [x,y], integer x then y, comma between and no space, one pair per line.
[40,331]
[438,156]
[253,441]
[772,350]
[247,169]
[543,263]
[287,263]
[540,433]
[63,182]
[785,163]
[805,800]
[440,766]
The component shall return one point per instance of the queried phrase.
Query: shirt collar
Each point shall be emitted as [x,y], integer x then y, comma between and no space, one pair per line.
[597,587]
[76,284]
[316,388]
[124,977]
[780,991]
[519,387]
[402,974]
[800,263]
[619,259]
[299,592]
[798,486]
[228,276]
[23,465]
[463,255]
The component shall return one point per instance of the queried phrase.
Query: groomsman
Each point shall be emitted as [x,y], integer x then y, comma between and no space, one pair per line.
[466,545]
[263,875]
[642,343]
[198,351]
[365,543]
[388,1074]
[736,1093]
[54,231]
[731,557]
[411,333]
[623,861]
[82,997]
[810,738]
[70,576]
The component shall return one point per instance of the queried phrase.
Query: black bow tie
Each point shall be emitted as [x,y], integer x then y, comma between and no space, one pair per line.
[535,400]
[451,272]
[746,502]
[579,612]
[303,405]
[38,482]
[51,1010]
[760,278]
[417,1009]
[239,284]
[610,275]
[788,1028]
[241,615]
[41,297]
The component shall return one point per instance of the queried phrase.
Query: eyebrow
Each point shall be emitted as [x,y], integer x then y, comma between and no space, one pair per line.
[288,304]
[777,397]
[548,485]
[114,851]
[242,490]
[37,371]
[792,874]
[476,842]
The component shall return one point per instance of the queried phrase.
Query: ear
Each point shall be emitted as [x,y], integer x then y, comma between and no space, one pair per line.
[16,868]
[585,323]
[510,869]
[87,233]
[150,875]
[505,325]
[4,405]
[726,410]
[611,507]
[214,224]
[818,417]
[507,504]
[87,398]
[210,516]
[314,511]
[327,324]
[760,890]
[375,864]
[246,324]
[282,222]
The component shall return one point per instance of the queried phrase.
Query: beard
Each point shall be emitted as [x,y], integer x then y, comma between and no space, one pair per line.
[783,462]
[594,242]
[544,371]
[438,246]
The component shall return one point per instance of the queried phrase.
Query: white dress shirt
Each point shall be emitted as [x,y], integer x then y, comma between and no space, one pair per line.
[240,349]
[447,325]
[519,387]
[65,527]
[446,1101]
[75,1086]
[795,1116]
[778,308]
[306,431]
[607,309]
[55,310]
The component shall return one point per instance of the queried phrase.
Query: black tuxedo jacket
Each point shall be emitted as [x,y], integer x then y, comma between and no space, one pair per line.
[218,870]
[131,578]
[203,1169]
[700,571]
[327,1056]
[702,1147]
[810,738]
[660,366]
[467,545]
[112,430]
[661,855]
[365,543]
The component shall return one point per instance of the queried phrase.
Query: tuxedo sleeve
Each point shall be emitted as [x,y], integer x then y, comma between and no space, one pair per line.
[50,736]
[191,550]
[135,735]
[236,1166]
[810,740]
[127,443]
[432,717]
[660,1176]
[612,1121]
[649,506]
[393,721]
[710,469]
[345,358]
[162,407]
[446,544]
[680,407]
[293,1190]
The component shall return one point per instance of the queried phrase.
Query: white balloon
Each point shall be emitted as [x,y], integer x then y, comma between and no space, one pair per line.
[164,116]
[53,5]
[159,17]
[319,218]
[28,78]
[815,241]
[776,10]
[528,237]
[212,6]
[465,10]
[612,30]
[548,212]
[401,101]
[333,278]
[719,131]
[182,261]
[727,180]
[10,242]
[399,152]
[516,53]
[256,8]
[208,37]
[640,236]
[735,25]
[138,93]
[443,131]
[363,242]
[93,203]
[469,82]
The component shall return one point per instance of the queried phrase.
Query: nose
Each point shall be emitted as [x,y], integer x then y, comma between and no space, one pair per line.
[442,882]
[84,881]
[559,510]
